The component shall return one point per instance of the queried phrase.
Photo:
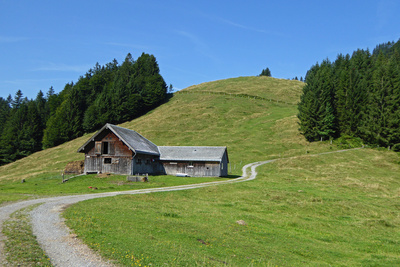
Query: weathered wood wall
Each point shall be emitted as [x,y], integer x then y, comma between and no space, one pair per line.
[194,169]
[118,157]
[146,164]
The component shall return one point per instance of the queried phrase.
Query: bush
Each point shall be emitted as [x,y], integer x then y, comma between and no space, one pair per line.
[346,141]
[396,148]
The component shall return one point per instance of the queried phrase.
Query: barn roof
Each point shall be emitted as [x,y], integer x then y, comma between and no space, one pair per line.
[132,139]
[193,153]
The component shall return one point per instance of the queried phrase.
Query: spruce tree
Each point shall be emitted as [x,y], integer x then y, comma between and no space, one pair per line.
[265,72]
[308,106]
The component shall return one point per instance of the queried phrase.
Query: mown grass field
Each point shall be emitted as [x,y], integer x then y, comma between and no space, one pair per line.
[311,210]
[333,209]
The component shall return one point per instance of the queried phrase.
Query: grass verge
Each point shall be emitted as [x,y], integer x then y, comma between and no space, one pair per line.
[335,209]
[21,247]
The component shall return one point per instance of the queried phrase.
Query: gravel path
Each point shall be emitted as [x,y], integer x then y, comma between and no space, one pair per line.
[54,236]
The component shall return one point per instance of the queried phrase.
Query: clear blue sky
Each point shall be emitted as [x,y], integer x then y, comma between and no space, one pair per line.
[51,43]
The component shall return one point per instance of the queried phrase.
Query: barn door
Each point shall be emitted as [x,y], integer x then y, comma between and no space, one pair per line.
[190,169]
[93,164]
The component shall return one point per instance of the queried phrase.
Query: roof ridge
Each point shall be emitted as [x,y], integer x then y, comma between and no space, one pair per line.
[134,140]
[132,131]
[194,146]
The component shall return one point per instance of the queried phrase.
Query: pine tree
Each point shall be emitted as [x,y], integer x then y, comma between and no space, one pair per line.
[265,72]
[381,124]
[4,112]
[327,123]
[153,87]
[56,131]
[316,108]
[18,99]
[308,106]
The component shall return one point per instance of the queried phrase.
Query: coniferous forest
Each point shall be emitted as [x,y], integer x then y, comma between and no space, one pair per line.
[105,94]
[356,96]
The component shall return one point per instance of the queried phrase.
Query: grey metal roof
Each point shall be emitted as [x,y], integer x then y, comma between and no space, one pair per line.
[192,153]
[132,139]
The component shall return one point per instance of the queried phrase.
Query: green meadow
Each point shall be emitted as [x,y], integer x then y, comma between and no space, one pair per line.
[303,209]
[311,210]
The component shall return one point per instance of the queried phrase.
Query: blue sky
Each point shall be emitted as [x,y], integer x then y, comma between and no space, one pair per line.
[51,43]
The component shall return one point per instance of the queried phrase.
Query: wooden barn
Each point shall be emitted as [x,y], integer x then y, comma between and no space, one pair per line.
[114,149]
[195,161]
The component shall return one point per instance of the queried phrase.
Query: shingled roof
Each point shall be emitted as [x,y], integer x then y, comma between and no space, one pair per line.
[132,139]
[192,153]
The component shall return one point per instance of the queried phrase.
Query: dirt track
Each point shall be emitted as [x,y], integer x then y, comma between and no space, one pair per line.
[55,238]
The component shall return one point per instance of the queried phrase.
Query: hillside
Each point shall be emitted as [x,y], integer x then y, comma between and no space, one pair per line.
[194,118]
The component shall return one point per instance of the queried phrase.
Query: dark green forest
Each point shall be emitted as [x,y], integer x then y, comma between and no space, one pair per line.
[111,93]
[354,96]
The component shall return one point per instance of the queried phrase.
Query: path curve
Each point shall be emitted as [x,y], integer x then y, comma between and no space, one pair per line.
[54,236]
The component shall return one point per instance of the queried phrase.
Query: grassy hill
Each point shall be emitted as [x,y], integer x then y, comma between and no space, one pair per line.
[196,118]
[333,209]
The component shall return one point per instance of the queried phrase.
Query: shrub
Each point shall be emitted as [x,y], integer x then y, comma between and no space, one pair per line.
[346,141]
[396,147]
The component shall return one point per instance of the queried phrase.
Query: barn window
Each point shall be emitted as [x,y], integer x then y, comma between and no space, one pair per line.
[111,148]
[190,164]
[147,161]
[105,147]
[107,160]
[139,161]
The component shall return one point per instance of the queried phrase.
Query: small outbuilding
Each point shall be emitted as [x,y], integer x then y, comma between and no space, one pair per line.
[118,150]
[196,161]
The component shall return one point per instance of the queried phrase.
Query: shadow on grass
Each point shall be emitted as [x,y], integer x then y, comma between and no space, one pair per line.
[231,176]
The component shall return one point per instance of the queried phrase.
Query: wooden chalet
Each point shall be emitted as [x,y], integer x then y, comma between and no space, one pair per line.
[114,149]
[118,150]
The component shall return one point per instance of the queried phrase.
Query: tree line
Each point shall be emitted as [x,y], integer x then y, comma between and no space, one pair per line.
[357,95]
[111,93]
